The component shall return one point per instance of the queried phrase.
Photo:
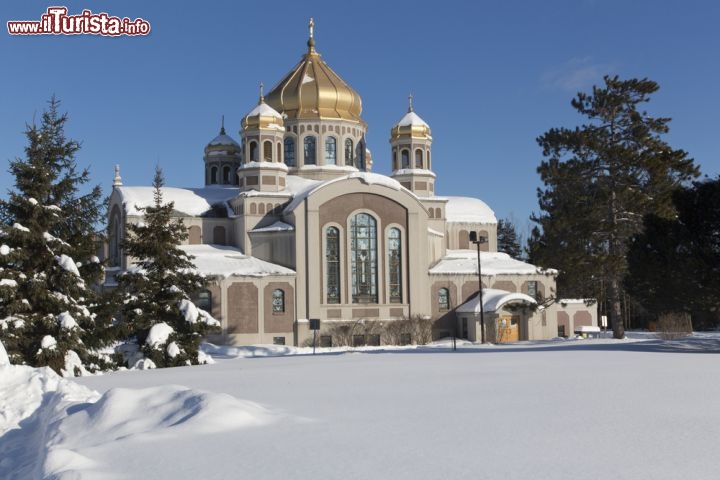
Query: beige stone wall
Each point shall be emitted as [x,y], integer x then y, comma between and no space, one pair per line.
[275,322]
[242,308]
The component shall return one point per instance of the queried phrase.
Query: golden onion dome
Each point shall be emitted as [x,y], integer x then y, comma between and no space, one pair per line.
[411,125]
[313,90]
[263,116]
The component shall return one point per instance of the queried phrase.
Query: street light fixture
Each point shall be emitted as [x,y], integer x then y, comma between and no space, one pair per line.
[477,240]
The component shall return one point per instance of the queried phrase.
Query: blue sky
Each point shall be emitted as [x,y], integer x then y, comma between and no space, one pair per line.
[488,76]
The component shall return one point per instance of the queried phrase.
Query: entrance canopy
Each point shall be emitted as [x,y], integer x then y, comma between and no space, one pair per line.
[493,300]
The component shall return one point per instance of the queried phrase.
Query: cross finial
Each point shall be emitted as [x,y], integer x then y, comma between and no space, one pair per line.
[262,98]
[311,39]
[222,125]
[410,108]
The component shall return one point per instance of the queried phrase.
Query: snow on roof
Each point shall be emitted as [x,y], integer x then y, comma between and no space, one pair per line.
[266,165]
[468,210]
[191,201]
[494,299]
[416,171]
[263,109]
[275,227]
[412,118]
[464,262]
[223,261]
[223,139]
[367,178]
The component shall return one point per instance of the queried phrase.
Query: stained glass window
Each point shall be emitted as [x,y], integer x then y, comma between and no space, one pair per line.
[332,262]
[348,152]
[309,150]
[330,151]
[278,301]
[290,152]
[363,258]
[395,265]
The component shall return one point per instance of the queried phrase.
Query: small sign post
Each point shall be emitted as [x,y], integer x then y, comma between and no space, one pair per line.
[603,322]
[314,326]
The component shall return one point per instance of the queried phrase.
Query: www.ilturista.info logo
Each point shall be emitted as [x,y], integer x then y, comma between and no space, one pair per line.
[57,22]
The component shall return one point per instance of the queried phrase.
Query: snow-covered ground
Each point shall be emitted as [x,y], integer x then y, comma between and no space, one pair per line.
[580,409]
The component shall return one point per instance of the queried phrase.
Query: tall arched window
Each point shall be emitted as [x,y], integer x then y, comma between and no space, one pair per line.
[443,299]
[404,159]
[309,150]
[361,156]
[253,151]
[278,301]
[267,151]
[418,158]
[332,264]
[213,175]
[330,151]
[363,258]
[348,152]
[290,152]
[394,247]
[226,175]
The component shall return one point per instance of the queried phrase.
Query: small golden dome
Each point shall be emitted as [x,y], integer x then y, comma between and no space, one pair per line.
[262,116]
[313,90]
[411,126]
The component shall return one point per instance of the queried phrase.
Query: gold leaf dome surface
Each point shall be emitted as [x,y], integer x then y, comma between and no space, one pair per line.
[312,90]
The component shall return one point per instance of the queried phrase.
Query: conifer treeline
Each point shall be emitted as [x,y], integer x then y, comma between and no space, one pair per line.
[52,309]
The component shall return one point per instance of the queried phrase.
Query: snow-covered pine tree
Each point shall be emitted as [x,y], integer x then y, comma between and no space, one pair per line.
[158,317]
[47,258]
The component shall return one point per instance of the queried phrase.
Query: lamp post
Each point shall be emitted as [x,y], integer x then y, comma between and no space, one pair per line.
[477,240]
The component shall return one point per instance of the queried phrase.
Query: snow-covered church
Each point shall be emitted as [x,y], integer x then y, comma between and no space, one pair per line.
[292,225]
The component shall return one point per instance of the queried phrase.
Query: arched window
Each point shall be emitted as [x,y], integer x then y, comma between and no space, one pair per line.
[279,152]
[309,150]
[213,175]
[395,265]
[395,160]
[253,152]
[443,299]
[278,301]
[404,159]
[332,264]
[361,156]
[226,175]
[203,300]
[290,152]
[349,152]
[418,158]
[363,258]
[267,151]
[330,151]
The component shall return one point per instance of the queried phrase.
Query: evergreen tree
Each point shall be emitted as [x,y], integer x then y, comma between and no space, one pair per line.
[508,239]
[674,264]
[47,254]
[599,180]
[158,317]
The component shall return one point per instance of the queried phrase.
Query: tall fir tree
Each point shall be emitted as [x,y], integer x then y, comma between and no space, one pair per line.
[47,255]
[159,320]
[674,264]
[508,239]
[599,180]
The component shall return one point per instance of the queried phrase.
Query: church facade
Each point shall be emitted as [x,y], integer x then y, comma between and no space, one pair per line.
[292,225]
